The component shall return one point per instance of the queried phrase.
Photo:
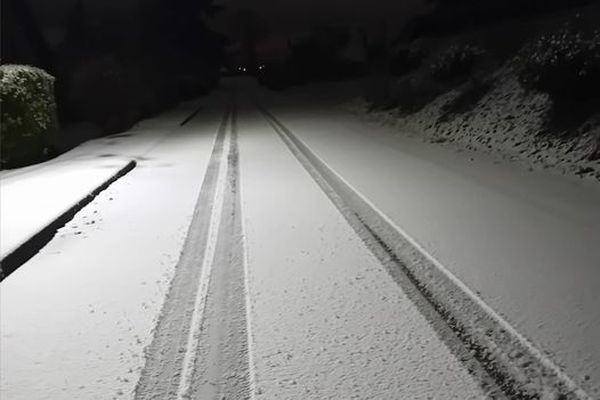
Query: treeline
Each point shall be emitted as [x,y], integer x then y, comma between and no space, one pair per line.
[325,54]
[452,16]
[115,67]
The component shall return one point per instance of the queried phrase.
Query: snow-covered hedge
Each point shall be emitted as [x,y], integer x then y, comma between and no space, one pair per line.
[565,63]
[456,62]
[28,112]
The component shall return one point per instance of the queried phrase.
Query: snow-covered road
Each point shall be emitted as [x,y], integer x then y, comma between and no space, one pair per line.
[276,248]
[525,242]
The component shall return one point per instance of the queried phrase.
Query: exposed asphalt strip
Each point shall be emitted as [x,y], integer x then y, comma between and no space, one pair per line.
[12,261]
[191,116]
[200,344]
[505,363]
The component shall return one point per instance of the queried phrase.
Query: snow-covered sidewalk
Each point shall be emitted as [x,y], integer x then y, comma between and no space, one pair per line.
[34,197]
[32,201]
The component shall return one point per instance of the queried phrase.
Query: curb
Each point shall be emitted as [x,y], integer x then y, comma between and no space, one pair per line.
[12,261]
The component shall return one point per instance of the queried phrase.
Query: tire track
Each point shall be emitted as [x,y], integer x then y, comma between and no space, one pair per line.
[222,362]
[189,347]
[505,363]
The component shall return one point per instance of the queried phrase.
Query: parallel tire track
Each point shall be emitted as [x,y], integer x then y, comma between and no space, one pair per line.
[506,364]
[212,249]
[222,362]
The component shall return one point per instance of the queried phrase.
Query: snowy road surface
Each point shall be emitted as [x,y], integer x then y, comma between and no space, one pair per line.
[274,247]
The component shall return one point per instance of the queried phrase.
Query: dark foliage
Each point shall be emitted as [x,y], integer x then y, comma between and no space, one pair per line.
[250,27]
[564,64]
[456,62]
[28,115]
[116,67]
[452,16]
[319,57]
[22,40]
[405,61]
[107,92]
[315,59]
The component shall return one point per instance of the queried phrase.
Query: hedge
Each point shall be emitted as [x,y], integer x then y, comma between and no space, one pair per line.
[28,115]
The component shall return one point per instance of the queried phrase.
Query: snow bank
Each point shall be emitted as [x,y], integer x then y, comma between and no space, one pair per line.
[507,121]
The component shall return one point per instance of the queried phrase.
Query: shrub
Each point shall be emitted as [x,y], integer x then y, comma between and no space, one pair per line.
[28,111]
[564,64]
[456,62]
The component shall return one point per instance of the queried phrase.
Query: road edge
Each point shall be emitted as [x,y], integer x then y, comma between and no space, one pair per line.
[30,247]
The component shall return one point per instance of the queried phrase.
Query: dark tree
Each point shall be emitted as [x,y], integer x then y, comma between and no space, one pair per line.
[451,16]
[117,66]
[22,40]
[250,28]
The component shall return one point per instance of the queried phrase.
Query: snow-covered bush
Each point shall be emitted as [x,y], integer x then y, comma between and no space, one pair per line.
[456,62]
[28,111]
[564,64]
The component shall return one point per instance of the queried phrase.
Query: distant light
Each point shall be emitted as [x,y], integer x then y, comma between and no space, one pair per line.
[244,69]
[261,67]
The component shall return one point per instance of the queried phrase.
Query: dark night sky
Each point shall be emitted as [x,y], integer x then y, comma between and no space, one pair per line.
[283,17]
[290,16]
